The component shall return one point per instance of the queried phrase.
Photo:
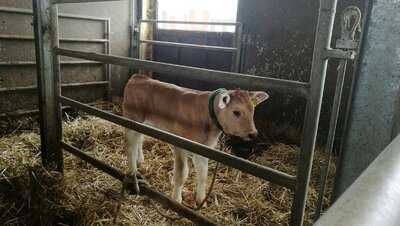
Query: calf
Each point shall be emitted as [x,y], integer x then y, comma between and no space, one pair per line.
[200,116]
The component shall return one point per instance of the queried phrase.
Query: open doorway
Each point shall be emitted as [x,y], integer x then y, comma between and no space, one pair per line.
[199,11]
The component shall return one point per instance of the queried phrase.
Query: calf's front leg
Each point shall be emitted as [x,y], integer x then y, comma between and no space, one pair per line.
[201,166]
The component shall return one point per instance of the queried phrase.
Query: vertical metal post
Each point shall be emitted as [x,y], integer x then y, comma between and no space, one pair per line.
[48,77]
[331,135]
[317,80]
[238,45]
[138,38]
[107,50]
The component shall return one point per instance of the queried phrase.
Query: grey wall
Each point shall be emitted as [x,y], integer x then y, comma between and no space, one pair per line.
[373,111]
[17,50]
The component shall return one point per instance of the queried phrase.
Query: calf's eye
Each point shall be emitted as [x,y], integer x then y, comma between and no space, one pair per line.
[237,113]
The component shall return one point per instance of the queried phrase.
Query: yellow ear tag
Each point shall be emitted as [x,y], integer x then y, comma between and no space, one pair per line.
[254,102]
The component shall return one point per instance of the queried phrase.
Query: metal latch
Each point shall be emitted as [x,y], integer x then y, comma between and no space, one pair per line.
[350,23]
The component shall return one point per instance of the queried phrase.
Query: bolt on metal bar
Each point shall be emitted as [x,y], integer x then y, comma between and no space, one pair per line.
[27,63]
[340,54]
[186,45]
[254,169]
[220,77]
[323,37]
[189,22]
[67,85]
[62,15]
[144,189]
[24,37]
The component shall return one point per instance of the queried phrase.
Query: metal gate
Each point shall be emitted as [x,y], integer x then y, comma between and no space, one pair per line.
[11,63]
[48,65]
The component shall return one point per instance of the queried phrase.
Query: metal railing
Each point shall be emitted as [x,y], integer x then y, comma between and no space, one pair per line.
[51,99]
[236,41]
[105,41]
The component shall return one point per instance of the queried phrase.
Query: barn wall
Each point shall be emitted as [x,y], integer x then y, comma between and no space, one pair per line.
[21,50]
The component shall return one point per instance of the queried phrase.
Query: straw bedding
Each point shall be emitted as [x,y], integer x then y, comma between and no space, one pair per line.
[29,195]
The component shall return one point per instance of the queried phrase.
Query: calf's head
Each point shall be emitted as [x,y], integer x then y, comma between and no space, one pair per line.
[235,112]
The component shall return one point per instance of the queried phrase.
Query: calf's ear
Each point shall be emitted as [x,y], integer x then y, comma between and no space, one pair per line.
[257,97]
[223,100]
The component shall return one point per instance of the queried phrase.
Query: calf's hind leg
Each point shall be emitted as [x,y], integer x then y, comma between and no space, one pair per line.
[181,172]
[134,140]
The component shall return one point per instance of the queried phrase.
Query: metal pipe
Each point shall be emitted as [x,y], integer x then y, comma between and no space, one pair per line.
[19,113]
[25,63]
[82,17]
[80,1]
[45,23]
[323,174]
[323,37]
[139,37]
[107,49]
[189,22]
[68,85]
[144,189]
[186,45]
[15,10]
[24,37]
[374,198]
[62,15]
[238,46]
[254,169]
[219,77]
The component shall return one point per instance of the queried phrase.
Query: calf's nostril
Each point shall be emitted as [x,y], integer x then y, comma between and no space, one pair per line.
[253,135]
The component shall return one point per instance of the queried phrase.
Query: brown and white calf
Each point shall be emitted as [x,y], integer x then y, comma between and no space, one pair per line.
[200,116]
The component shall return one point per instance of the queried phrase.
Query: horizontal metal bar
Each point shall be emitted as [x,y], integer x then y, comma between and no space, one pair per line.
[25,63]
[23,37]
[80,1]
[62,15]
[144,189]
[190,22]
[374,198]
[186,45]
[244,81]
[254,169]
[67,85]
[340,54]
[15,10]
[20,113]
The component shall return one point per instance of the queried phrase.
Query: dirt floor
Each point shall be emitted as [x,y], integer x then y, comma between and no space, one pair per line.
[29,195]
